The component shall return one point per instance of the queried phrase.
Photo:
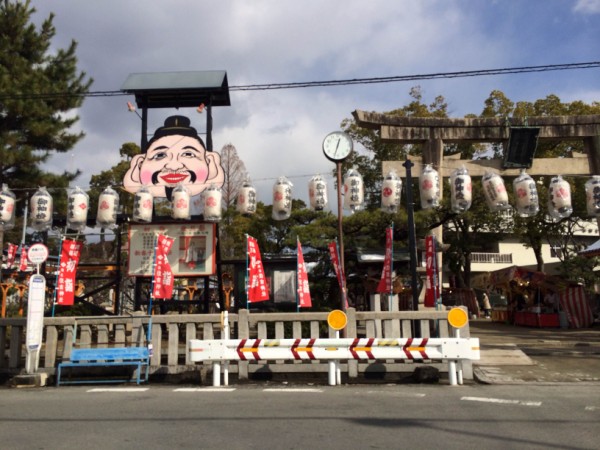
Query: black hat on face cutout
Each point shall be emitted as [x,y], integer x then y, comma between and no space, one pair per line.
[176,125]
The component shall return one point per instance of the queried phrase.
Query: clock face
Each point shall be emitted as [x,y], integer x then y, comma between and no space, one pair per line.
[337,146]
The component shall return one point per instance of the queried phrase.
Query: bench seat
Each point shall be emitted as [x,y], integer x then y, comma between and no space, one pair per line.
[138,357]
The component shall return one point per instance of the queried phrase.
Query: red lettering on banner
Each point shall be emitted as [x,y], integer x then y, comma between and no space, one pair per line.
[67,270]
[163,275]
[385,284]
[304,300]
[257,283]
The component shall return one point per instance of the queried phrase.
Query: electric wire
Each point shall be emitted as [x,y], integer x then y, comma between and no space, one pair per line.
[329,83]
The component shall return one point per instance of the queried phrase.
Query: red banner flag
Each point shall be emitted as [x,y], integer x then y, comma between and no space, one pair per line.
[163,275]
[335,259]
[11,254]
[304,300]
[432,290]
[257,283]
[69,258]
[23,260]
[385,284]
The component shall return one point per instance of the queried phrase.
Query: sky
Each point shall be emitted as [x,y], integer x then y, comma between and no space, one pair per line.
[280,132]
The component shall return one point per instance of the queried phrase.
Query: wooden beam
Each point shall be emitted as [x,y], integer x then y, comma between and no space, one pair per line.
[577,165]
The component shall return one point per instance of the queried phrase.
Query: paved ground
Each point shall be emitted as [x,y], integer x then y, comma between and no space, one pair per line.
[516,355]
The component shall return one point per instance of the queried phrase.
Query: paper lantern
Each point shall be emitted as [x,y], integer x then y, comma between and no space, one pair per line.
[354,190]
[559,198]
[495,192]
[41,208]
[212,197]
[143,205]
[108,205]
[282,199]
[7,208]
[526,196]
[391,192]
[78,203]
[317,193]
[592,195]
[429,185]
[461,191]
[180,203]
[246,198]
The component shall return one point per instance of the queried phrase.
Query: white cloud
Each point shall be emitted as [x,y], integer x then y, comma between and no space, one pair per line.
[587,6]
[279,132]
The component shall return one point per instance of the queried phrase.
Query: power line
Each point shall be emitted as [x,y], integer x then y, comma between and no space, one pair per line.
[328,83]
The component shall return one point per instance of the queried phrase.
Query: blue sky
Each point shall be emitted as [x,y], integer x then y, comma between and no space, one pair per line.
[270,41]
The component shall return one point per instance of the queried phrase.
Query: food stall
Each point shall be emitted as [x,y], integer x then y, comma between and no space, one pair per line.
[537,300]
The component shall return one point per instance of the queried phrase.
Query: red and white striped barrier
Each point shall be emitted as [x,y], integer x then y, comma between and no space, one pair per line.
[444,349]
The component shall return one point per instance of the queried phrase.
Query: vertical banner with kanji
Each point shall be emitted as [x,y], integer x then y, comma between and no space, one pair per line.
[431,287]
[385,284]
[257,283]
[11,254]
[69,258]
[163,275]
[23,260]
[335,259]
[304,300]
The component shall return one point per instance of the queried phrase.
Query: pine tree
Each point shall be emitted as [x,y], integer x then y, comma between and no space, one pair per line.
[38,86]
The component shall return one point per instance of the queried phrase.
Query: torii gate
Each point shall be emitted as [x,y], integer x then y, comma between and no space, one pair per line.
[434,132]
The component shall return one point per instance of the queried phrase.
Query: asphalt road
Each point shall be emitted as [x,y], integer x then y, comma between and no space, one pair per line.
[279,416]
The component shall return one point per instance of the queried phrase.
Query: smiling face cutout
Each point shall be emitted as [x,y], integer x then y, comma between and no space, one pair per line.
[175,155]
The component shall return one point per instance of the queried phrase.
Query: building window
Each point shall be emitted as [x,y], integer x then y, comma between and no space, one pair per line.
[555,252]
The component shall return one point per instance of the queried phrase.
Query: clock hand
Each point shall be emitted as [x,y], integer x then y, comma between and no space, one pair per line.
[336,146]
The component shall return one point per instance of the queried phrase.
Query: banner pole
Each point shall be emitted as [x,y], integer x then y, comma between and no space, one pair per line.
[57,273]
[297,274]
[151,298]
[247,277]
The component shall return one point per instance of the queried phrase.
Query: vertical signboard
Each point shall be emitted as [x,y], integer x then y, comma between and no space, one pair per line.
[35,320]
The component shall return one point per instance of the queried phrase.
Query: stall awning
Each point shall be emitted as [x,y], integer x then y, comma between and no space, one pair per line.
[591,251]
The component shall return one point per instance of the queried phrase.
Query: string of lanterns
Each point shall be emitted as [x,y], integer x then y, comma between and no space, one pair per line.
[559,203]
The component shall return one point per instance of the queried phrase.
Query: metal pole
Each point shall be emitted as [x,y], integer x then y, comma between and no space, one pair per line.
[412,240]
[338,166]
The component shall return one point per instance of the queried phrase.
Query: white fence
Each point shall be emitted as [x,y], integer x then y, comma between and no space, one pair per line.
[171,335]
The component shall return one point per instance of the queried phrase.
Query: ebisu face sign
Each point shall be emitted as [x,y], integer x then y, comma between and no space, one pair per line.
[176,155]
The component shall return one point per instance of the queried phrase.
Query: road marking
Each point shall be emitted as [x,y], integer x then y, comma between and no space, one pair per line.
[501,401]
[118,389]
[206,389]
[292,390]
[590,408]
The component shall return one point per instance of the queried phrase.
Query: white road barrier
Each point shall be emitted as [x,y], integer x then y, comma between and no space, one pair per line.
[453,350]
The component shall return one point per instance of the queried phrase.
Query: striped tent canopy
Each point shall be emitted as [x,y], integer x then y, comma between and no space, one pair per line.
[591,251]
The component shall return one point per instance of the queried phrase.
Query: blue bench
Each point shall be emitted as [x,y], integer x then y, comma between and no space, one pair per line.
[138,357]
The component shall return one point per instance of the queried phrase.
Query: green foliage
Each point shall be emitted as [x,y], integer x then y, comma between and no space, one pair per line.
[39,86]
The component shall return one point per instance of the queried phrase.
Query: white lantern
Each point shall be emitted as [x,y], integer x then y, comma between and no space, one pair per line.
[78,204]
[282,199]
[559,198]
[592,196]
[354,190]
[317,193]
[429,185]
[143,205]
[461,194]
[526,196]
[212,204]
[108,205]
[246,199]
[391,192]
[180,203]
[7,209]
[495,191]
[41,208]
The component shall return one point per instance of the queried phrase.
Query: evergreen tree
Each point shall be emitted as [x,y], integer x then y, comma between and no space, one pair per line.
[38,87]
